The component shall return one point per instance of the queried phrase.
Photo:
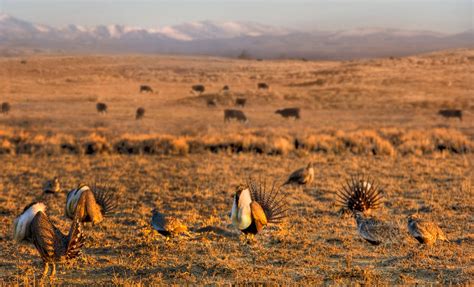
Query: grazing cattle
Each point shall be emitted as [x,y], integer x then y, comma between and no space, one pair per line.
[240,102]
[23,62]
[225,88]
[451,114]
[211,103]
[6,108]
[263,86]
[140,113]
[289,113]
[199,88]
[234,114]
[101,108]
[145,89]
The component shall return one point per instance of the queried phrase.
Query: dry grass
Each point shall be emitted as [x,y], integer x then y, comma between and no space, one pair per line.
[376,117]
[363,142]
[314,245]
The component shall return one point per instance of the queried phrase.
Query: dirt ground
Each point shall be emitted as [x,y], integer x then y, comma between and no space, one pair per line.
[315,244]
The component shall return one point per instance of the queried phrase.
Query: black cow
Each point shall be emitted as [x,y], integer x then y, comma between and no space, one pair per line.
[140,113]
[234,114]
[6,107]
[289,113]
[263,86]
[101,108]
[240,102]
[449,113]
[145,89]
[199,88]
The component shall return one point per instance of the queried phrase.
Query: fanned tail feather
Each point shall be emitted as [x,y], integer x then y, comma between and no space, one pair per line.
[273,205]
[105,198]
[359,193]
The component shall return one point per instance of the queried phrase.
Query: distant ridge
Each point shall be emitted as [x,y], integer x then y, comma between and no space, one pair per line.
[228,39]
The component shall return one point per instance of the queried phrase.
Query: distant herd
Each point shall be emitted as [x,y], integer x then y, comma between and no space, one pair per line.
[231,114]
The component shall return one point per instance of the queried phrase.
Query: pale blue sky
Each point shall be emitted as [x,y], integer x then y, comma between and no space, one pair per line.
[442,15]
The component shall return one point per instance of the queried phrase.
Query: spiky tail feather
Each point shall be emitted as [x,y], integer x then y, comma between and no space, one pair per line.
[359,194]
[105,198]
[273,204]
[75,240]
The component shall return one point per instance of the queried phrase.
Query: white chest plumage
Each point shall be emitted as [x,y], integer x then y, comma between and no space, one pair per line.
[22,223]
[72,200]
[241,213]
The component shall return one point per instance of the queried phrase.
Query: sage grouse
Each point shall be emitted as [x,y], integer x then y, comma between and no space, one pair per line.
[52,186]
[426,232]
[34,225]
[89,205]
[167,226]
[373,230]
[359,194]
[302,176]
[254,207]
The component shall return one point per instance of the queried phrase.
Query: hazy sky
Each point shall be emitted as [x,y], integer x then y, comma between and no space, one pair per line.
[441,15]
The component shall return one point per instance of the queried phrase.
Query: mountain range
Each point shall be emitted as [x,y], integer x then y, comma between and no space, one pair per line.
[228,39]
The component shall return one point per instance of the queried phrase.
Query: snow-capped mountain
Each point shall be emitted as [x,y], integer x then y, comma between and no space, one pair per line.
[13,28]
[228,38]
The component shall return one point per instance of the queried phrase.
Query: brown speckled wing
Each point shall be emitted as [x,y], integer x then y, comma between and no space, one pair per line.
[92,208]
[258,215]
[44,236]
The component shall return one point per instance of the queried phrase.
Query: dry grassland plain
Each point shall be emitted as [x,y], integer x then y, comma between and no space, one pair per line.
[377,117]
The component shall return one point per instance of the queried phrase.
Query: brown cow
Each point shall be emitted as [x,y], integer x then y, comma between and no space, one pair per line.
[225,88]
[449,113]
[6,108]
[101,108]
[211,103]
[140,113]
[240,102]
[263,86]
[234,114]
[199,88]
[289,113]
[145,89]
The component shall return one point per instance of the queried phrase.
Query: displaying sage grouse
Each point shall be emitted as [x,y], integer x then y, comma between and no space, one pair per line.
[90,205]
[373,230]
[234,115]
[101,108]
[451,114]
[359,194]
[145,89]
[289,113]
[167,226]
[302,176]
[52,186]
[254,207]
[426,232]
[6,107]
[140,113]
[34,225]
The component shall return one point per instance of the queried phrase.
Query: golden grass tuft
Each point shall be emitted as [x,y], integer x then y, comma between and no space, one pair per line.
[95,144]
[386,142]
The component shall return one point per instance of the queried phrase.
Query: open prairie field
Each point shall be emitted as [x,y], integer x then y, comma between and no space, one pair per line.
[373,117]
